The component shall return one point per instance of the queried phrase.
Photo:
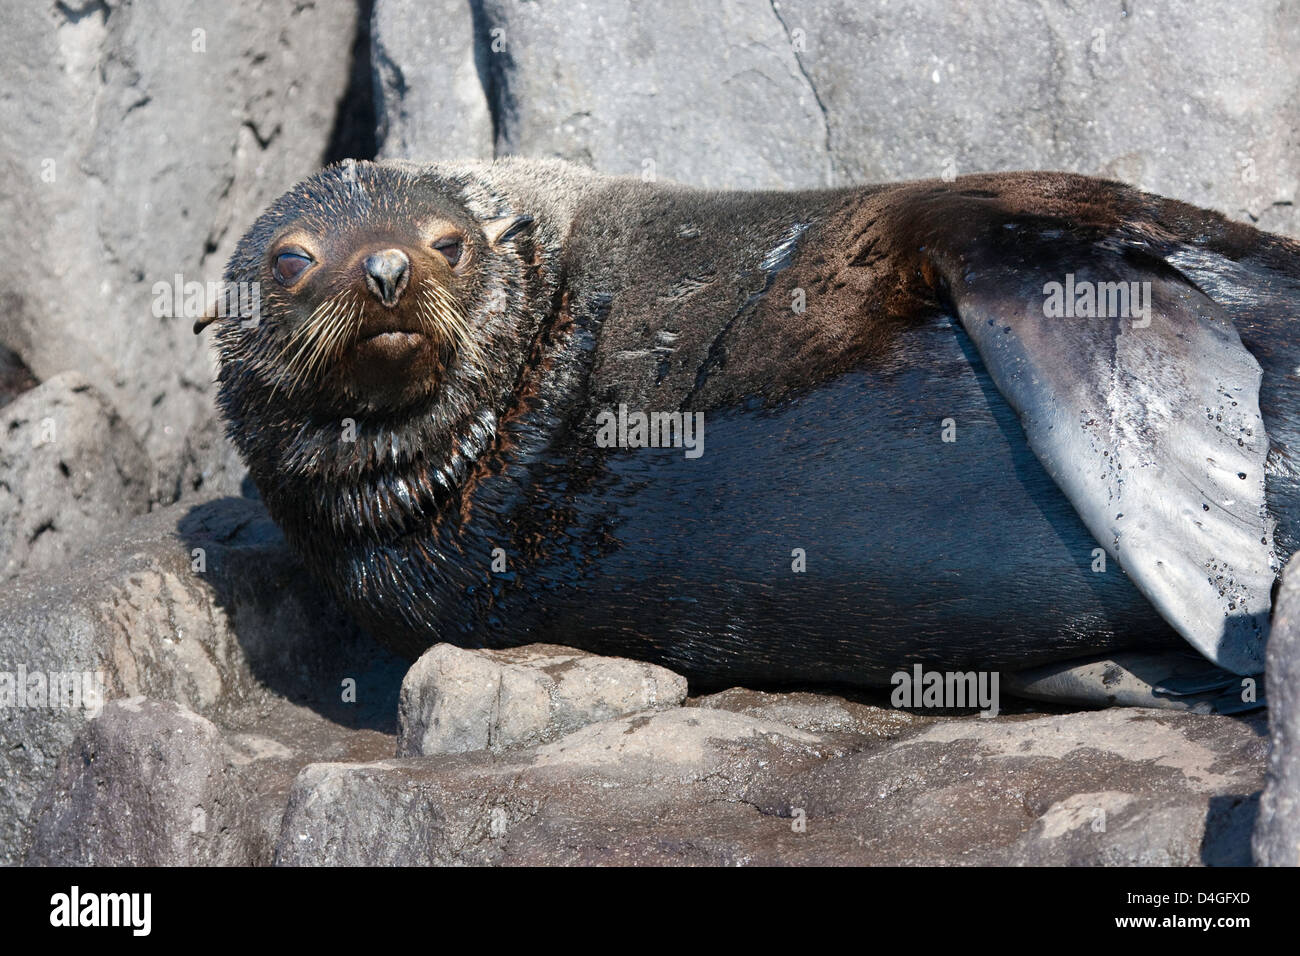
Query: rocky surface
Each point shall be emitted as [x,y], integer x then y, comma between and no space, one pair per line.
[145,785]
[806,93]
[1277,834]
[431,80]
[147,136]
[72,470]
[247,722]
[203,606]
[717,786]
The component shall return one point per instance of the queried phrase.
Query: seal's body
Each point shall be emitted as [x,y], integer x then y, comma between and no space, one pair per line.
[893,428]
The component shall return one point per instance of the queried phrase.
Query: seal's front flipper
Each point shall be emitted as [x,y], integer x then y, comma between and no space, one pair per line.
[1168,681]
[1139,399]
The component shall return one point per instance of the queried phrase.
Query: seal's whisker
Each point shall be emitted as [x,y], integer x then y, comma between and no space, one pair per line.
[313,340]
[449,321]
[311,333]
[339,336]
[301,330]
[316,358]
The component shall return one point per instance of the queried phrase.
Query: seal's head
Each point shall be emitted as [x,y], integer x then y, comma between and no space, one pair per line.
[371,277]
[394,298]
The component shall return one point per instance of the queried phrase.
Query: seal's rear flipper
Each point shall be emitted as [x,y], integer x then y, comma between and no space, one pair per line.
[1148,418]
[1168,681]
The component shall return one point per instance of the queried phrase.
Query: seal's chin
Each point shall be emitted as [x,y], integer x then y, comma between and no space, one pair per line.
[391,345]
[392,367]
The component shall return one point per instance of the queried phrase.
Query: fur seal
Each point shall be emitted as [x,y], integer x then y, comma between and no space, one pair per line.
[996,423]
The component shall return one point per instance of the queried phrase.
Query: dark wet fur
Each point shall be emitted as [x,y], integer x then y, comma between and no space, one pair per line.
[821,434]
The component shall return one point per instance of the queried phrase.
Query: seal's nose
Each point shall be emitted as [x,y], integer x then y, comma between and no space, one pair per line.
[387,273]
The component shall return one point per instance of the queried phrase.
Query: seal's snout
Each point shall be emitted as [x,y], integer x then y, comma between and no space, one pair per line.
[387,274]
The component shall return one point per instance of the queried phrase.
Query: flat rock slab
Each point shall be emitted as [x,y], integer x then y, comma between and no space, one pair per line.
[817,713]
[709,786]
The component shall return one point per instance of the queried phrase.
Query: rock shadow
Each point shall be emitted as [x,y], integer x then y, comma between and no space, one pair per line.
[295,638]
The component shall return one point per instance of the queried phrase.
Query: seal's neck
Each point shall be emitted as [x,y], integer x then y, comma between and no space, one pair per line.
[421,476]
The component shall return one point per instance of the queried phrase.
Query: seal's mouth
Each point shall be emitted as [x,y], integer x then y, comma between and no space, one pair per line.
[386,337]
[390,347]
[380,345]
[394,335]
[375,324]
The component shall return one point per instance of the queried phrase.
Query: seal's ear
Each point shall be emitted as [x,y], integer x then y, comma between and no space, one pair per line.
[210,316]
[222,305]
[506,228]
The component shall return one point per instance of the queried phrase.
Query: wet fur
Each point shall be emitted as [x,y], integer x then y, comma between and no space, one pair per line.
[821,432]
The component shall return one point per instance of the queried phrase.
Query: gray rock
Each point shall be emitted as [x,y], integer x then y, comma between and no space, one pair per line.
[1113,828]
[70,470]
[800,93]
[816,713]
[1094,88]
[151,783]
[146,784]
[202,605]
[618,791]
[275,743]
[431,101]
[1161,96]
[707,94]
[709,786]
[1277,832]
[146,138]
[455,700]
[1168,792]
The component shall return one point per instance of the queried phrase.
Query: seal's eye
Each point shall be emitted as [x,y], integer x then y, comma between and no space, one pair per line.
[450,249]
[289,265]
